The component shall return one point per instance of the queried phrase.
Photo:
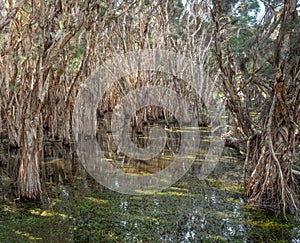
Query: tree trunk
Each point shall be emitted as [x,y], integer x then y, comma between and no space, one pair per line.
[271,143]
[29,172]
[271,183]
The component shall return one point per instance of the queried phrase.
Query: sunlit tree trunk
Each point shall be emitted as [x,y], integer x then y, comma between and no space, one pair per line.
[29,171]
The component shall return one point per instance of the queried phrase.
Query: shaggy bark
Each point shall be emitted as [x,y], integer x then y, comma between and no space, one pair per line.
[271,145]
[271,183]
[38,77]
[29,172]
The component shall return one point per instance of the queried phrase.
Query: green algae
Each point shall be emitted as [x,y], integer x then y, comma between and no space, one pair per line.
[211,210]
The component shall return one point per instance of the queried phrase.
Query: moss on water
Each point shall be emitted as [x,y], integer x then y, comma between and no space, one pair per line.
[189,211]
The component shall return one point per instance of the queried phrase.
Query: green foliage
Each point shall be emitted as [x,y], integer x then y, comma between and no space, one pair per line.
[14,88]
[243,20]
[242,38]
[104,7]
[75,54]
[245,12]
[238,39]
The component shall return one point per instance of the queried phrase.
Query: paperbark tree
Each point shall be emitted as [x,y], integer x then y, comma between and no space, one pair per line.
[38,72]
[271,143]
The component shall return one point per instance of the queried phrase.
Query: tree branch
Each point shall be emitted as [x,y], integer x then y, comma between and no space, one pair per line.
[296,172]
[9,17]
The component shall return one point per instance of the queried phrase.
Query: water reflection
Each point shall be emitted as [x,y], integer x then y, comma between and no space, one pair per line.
[189,211]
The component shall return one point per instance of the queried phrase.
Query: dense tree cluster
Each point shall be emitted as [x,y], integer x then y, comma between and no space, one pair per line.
[249,48]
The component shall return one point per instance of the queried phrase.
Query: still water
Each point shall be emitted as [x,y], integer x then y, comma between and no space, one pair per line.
[79,209]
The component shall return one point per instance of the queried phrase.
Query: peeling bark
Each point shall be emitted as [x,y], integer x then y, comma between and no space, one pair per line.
[29,172]
[271,145]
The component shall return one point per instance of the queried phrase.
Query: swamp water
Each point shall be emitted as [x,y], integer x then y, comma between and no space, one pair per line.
[79,209]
